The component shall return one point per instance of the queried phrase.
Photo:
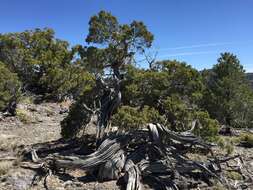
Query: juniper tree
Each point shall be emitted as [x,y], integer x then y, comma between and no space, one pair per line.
[228,96]
[119,42]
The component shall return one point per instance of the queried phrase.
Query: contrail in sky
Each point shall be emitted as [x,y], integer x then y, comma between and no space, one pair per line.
[188,53]
[202,45]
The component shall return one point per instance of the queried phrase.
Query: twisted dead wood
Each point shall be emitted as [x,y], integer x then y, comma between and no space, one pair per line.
[105,152]
[143,156]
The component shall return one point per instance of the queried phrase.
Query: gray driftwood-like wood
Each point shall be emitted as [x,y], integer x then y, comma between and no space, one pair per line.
[109,101]
[143,156]
[132,176]
[113,167]
[104,153]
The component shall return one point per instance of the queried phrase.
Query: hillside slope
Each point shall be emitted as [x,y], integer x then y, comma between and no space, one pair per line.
[250,78]
[41,123]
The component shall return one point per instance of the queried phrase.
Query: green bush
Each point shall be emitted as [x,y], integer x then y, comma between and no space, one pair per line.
[247,138]
[44,64]
[9,88]
[209,127]
[23,116]
[178,112]
[234,175]
[147,86]
[69,81]
[225,144]
[131,118]
[78,116]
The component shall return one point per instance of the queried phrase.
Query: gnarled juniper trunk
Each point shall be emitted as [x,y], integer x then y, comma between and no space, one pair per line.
[109,101]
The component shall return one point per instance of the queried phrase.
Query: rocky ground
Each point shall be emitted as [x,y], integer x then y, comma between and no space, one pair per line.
[36,123]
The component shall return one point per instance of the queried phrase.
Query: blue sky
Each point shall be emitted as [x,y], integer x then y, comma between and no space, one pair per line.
[195,31]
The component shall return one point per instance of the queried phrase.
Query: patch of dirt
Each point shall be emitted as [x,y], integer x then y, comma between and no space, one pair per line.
[41,124]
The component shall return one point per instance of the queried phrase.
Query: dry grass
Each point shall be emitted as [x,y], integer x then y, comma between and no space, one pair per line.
[49,112]
[8,142]
[197,157]
[218,186]
[24,116]
[234,175]
[5,166]
[66,104]
[26,100]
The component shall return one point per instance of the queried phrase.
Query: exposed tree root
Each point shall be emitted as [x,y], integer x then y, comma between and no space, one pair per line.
[149,156]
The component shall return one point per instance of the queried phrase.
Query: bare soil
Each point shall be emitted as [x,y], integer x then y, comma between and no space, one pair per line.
[42,125]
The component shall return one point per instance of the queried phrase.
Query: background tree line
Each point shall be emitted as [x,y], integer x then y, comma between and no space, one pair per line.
[169,92]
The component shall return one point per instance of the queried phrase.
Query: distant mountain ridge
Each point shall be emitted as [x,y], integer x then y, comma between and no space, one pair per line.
[250,78]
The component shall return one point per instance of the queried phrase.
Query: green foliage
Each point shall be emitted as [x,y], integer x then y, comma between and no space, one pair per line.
[132,118]
[120,41]
[151,115]
[173,88]
[218,186]
[9,87]
[177,112]
[182,80]
[105,29]
[169,92]
[228,97]
[229,148]
[180,115]
[247,138]
[148,87]
[43,63]
[226,144]
[91,58]
[69,81]
[128,118]
[78,115]
[209,127]
[35,51]
[234,175]
[143,87]
[23,116]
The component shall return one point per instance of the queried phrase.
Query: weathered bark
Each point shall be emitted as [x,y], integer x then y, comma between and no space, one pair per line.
[143,156]
[184,138]
[104,153]
[109,101]
[113,167]
[132,176]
